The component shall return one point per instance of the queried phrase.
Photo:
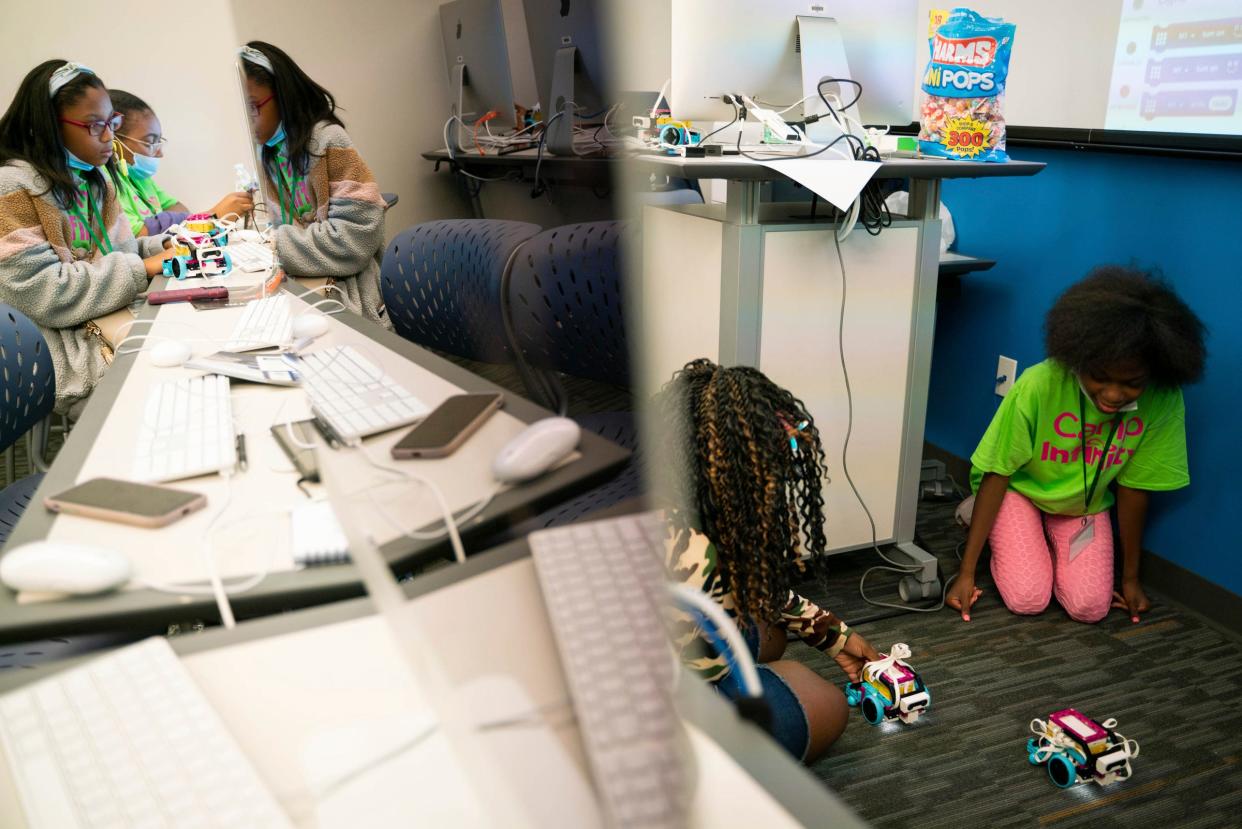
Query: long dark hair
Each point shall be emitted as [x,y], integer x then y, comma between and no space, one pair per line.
[734,476]
[302,102]
[30,130]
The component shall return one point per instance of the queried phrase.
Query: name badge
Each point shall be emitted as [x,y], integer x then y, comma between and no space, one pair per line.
[1082,537]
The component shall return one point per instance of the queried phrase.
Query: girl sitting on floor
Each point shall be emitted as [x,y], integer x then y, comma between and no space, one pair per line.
[746,470]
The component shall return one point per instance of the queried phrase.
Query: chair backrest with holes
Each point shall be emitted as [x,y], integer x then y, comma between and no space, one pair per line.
[27,379]
[565,301]
[442,282]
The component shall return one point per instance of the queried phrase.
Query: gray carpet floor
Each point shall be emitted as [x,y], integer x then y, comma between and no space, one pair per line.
[1173,682]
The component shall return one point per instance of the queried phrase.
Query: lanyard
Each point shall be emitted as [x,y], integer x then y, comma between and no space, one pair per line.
[283,185]
[1088,494]
[101,241]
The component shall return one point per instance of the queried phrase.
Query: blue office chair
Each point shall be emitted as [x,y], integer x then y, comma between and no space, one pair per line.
[442,283]
[27,394]
[565,314]
[564,302]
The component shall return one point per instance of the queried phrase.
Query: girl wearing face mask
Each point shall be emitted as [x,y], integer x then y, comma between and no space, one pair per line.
[322,197]
[139,149]
[67,254]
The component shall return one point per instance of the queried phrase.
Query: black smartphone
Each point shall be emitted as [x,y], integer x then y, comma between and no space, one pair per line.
[297,439]
[447,427]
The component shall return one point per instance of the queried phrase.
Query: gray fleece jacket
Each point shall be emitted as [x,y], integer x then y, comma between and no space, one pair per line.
[60,285]
[334,226]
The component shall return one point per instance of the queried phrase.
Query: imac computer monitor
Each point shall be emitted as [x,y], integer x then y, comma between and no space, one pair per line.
[477,59]
[566,47]
[777,51]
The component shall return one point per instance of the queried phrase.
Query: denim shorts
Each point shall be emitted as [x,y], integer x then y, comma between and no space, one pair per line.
[789,724]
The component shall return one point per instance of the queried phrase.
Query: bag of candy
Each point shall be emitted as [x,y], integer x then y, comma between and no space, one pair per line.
[964,87]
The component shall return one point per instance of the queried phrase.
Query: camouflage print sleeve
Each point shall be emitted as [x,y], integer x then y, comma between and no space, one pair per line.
[815,626]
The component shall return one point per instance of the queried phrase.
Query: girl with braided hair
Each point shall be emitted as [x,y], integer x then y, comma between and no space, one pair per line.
[744,504]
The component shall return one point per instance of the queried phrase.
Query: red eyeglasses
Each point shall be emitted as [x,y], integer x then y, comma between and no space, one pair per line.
[255,106]
[97,128]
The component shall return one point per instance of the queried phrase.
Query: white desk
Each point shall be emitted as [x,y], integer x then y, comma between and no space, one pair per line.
[743,283]
[255,531]
[283,683]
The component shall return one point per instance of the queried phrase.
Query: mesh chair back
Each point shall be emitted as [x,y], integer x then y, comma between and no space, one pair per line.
[27,379]
[564,301]
[442,280]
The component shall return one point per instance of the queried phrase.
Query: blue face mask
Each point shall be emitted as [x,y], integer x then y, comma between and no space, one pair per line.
[143,166]
[77,163]
[277,136]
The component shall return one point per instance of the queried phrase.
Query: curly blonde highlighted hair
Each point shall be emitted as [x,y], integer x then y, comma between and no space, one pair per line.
[745,467]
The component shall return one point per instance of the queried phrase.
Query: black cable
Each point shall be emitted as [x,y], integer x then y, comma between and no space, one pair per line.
[819,88]
[737,114]
[539,189]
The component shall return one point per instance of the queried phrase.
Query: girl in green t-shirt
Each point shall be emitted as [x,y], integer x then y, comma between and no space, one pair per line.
[1105,407]
[139,148]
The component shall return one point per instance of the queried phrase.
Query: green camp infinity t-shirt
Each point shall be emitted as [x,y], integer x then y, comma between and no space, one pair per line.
[1035,440]
[141,199]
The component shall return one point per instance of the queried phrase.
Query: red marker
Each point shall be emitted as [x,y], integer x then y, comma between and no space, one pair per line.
[186,295]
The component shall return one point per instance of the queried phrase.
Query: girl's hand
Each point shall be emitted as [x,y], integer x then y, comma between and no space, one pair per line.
[239,203]
[856,653]
[155,264]
[963,594]
[1132,598]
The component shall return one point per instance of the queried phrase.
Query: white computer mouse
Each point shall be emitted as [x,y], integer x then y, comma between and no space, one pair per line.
[170,353]
[61,567]
[535,449]
[309,326]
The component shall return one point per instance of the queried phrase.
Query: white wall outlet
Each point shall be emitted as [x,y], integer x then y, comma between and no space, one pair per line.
[1006,373]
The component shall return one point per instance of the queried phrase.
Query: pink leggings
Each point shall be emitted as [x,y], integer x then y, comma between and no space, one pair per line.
[1026,571]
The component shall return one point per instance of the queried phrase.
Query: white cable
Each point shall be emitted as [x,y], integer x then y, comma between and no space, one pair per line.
[209,557]
[893,566]
[459,551]
[655,106]
[749,674]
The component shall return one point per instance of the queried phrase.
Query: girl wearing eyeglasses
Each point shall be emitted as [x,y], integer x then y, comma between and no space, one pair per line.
[139,149]
[308,159]
[67,255]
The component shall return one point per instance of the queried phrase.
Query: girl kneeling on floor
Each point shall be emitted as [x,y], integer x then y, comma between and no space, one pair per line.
[1104,408]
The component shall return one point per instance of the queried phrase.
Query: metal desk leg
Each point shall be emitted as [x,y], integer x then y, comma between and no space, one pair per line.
[741,276]
[924,206]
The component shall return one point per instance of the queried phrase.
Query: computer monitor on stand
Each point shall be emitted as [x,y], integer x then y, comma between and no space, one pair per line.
[776,52]
[477,59]
[566,47]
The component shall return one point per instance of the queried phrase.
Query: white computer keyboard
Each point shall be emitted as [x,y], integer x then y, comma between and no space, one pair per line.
[264,323]
[354,396]
[603,583]
[129,740]
[186,430]
[249,256]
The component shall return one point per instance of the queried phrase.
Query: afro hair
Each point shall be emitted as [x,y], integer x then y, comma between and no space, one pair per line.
[1119,314]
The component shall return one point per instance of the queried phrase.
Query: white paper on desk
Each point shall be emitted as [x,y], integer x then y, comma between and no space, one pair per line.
[422,785]
[834,179]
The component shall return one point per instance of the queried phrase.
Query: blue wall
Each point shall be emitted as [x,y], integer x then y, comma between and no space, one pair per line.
[1087,208]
